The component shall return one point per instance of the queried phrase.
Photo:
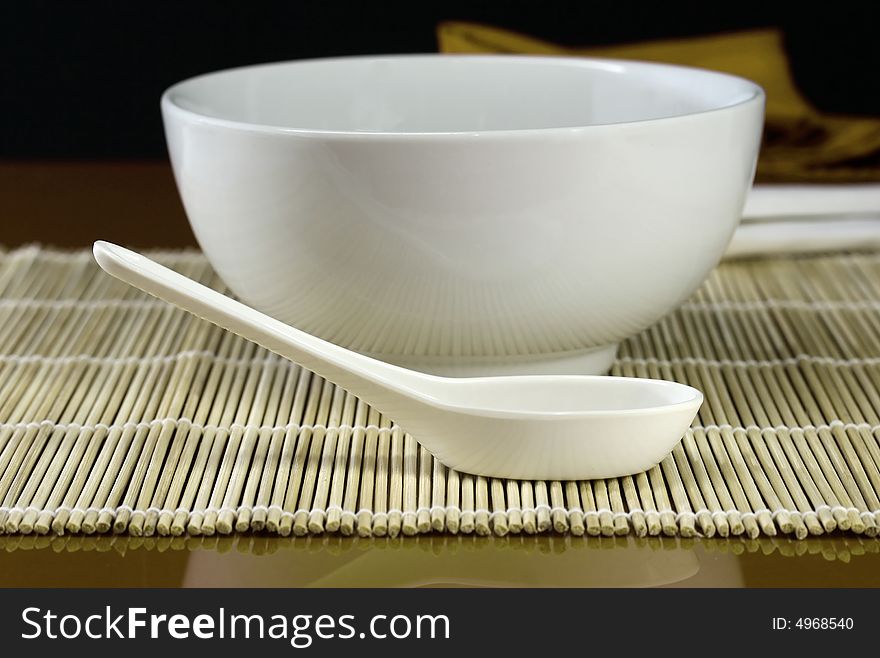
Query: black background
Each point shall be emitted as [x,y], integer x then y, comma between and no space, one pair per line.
[83,79]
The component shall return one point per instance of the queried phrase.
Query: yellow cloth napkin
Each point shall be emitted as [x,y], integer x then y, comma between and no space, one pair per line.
[800,144]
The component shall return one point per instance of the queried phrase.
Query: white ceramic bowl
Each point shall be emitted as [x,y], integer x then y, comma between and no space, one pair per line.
[465,215]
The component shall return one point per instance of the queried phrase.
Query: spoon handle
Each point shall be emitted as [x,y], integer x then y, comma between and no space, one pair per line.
[373,380]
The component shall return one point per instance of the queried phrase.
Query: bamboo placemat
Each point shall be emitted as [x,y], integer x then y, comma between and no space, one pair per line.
[121,414]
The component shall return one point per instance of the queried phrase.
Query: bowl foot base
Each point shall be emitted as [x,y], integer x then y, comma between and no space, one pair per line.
[595,361]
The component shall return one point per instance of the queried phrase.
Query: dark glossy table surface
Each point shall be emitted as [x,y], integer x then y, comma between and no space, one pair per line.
[436,561]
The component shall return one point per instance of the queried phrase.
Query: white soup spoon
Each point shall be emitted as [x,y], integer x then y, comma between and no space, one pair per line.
[543,427]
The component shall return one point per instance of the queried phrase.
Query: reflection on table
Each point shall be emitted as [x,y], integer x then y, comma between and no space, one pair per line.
[432,561]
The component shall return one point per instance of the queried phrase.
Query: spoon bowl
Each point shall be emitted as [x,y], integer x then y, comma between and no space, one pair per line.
[546,427]
[551,427]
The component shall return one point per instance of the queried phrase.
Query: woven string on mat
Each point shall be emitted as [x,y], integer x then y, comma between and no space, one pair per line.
[119,413]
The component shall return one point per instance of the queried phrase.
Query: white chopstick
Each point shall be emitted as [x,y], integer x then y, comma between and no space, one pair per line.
[806,235]
[773,202]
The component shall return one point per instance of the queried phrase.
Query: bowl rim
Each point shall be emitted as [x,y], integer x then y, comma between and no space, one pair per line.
[169,105]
